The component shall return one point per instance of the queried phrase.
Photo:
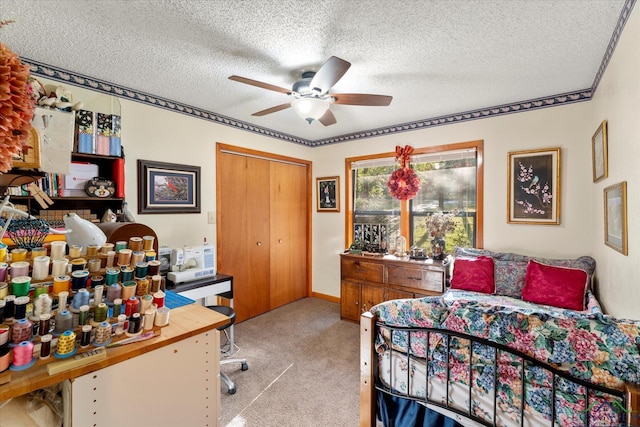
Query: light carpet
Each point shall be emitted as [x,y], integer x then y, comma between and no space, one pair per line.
[303,369]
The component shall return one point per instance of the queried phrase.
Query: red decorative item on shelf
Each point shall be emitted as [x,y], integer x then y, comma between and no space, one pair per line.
[16,103]
[403,183]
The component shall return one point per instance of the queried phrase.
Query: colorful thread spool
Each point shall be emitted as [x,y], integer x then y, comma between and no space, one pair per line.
[146,302]
[83,315]
[78,264]
[135,243]
[22,330]
[66,343]
[42,305]
[61,284]
[3,271]
[154,267]
[106,248]
[142,286]
[3,252]
[135,324]
[97,294]
[10,307]
[117,307]
[147,242]
[22,354]
[149,317]
[149,255]
[36,252]
[64,322]
[45,346]
[112,276]
[41,289]
[126,274]
[92,249]
[58,249]
[85,338]
[111,255]
[44,324]
[62,300]
[4,289]
[2,305]
[120,326]
[97,281]
[41,267]
[5,358]
[18,254]
[141,269]
[94,265]
[128,289]
[162,316]
[20,286]
[113,292]
[75,251]
[158,299]
[80,298]
[21,307]
[131,306]
[5,331]
[156,283]
[103,334]
[59,267]
[100,313]
[136,257]
[124,256]
[19,268]
[79,279]
[120,244]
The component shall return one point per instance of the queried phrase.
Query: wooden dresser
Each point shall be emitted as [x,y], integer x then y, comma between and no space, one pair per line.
[369,280]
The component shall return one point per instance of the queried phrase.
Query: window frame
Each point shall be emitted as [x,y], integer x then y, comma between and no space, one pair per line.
[405,212]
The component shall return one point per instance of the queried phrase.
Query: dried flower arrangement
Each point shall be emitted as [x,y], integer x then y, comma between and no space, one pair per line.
[16,105]
[439,223]
[403,184]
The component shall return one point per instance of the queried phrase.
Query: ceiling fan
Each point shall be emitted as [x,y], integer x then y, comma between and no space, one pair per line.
[311,93]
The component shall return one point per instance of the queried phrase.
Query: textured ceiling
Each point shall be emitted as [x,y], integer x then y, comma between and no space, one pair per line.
[435,58]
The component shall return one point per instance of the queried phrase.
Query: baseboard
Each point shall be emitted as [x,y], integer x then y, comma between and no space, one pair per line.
[326,297]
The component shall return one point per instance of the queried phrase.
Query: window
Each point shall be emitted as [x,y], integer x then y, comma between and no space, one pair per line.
[450,182]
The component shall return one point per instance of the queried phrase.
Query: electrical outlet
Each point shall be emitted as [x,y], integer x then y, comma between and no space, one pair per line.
[211,217]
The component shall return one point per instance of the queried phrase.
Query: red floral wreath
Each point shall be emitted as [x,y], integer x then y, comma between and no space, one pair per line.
[403,183]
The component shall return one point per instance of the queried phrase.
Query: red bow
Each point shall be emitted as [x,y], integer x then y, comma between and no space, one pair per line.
[403,154]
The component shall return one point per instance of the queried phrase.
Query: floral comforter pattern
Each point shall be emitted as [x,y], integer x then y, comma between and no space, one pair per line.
[588,345]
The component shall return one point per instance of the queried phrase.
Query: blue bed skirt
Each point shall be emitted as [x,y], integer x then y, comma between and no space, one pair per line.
[398,412]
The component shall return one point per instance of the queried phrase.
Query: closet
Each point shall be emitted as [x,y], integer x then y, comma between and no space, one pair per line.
[263,240]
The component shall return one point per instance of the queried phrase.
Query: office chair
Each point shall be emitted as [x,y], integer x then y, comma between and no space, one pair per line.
[231,314]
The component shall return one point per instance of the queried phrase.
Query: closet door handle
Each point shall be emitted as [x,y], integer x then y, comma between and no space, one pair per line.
[259,243]
[280,240]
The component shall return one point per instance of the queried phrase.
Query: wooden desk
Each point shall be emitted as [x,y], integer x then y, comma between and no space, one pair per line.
[138,382]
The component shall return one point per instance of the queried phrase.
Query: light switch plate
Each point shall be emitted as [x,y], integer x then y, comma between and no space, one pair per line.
[211,217]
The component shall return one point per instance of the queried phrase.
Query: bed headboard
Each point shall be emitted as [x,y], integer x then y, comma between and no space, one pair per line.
[510,268]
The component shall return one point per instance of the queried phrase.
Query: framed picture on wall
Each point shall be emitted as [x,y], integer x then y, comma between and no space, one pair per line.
[328,194]
[534,187]
[599,153]
[615,217]
[168,188]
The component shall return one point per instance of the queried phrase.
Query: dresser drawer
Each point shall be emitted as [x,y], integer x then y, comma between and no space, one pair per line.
[429,280]
[361,271]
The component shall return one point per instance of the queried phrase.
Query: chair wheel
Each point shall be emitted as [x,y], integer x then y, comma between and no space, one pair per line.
[232,390]
[244,366]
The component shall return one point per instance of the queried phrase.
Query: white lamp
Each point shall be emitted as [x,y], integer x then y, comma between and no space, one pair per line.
[310,109]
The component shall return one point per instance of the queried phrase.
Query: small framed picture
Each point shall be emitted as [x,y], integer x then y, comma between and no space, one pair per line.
[599,153]
[29,155]
[168,188]
[534,187]
[328,194]
[615,217]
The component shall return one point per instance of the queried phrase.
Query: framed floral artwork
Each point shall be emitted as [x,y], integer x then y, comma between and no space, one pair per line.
[168,188]
[534,187]
[615,217]
[599,153]
[328,194]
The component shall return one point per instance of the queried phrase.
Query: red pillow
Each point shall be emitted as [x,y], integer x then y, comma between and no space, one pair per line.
[473,274]
[561,287]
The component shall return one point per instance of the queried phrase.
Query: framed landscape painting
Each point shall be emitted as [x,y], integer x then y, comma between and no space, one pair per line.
[534,187]
[168,188]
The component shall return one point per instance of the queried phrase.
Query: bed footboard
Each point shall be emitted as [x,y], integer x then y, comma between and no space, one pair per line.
[627,403]
[367,384]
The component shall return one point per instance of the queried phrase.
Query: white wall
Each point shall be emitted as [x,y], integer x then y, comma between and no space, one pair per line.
[151,133]
[566,127]
[617,100]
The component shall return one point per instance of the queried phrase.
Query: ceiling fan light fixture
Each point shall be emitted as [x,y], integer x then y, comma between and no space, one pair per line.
[310,109]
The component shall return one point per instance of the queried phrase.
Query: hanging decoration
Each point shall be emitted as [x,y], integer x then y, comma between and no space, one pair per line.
[403,183]
[16,105]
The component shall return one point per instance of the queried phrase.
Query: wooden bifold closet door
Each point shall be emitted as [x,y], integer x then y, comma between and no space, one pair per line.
[262,230]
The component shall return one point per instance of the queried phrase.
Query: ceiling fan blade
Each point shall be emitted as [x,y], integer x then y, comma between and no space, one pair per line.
[329,74]
[328,118]
[260,84]
[361,99]
[272,109]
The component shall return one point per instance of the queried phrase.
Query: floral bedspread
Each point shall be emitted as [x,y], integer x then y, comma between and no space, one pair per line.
[588,345]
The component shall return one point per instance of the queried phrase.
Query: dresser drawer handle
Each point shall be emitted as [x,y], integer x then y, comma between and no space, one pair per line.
[414,278]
